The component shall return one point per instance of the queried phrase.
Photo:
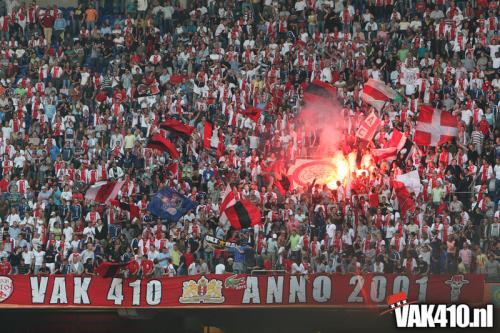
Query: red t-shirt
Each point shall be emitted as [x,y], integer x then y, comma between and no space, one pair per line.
[5,268]
[4,185]
[48,21]
[373,200]
[133,267]
[188,258]
[147,266]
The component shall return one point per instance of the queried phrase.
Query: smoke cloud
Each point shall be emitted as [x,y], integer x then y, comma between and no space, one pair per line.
[328,124]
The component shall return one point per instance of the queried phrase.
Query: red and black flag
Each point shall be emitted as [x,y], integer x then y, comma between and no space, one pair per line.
[207,133]
[109,269]
[132,208]
[174,169]
[319,92]
[177,128]
[243,214]
[159,142]
[252,112]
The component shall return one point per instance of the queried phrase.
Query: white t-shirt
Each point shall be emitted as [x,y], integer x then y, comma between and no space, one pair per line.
[193,269]
[39,257]
[466,116]
[330,230]
[220,269]
[300,5]
[497,171]
[390,232]
[296,268]
[27,256]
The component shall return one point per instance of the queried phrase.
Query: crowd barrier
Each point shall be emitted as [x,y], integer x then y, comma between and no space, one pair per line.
[239,290]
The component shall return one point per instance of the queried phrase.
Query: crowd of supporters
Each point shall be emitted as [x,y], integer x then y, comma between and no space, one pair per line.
[82,89]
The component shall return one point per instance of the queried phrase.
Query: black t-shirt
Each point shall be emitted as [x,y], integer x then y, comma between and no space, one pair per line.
[50,257]
[15,259]
[249,254]
[422,267]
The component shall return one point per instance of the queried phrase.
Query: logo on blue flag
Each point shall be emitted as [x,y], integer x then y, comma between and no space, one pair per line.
[170,205]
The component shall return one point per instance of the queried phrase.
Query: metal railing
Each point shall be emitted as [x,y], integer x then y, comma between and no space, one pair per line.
[267,271]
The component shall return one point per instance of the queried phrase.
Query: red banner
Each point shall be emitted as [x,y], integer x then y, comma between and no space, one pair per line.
[236,290]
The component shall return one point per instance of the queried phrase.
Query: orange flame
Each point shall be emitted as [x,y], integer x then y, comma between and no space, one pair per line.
[345,166]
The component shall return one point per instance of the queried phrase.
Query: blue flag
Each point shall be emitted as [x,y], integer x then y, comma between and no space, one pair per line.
[170,205]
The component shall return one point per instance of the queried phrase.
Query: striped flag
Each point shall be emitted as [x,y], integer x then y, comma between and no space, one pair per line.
[104,192]
[376,93]
[391,147]
[177,128]
[388,154]
[318,92]
[228,198]
[243,214]
[157,141]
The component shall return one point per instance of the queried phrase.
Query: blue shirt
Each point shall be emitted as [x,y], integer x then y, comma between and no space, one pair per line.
[161,256]
[238,257]
[60,24]
[106,30]
[50,111]
[54,151]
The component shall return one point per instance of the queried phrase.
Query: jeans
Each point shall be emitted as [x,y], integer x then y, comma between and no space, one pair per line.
[90,25]
[311,28]
[209,256]
[114,230]
[239,268]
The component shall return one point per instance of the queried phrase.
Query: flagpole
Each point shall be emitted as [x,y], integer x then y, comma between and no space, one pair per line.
[383,107]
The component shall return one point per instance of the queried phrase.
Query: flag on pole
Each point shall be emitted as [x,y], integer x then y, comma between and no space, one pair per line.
[228,198]
[397,140]
[376,93]
[405,201]
[318,92]
[132,208]
[109,269]
[177,128]
[391,147]
[104,191]
[158,141]
[388,154]
[411,180]
[243,214]
[405,152]
[207,133]
[170,205]
[435,127]
[252,112]
[368,127]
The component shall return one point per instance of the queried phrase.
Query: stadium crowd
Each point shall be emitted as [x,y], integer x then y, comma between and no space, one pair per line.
[82,90]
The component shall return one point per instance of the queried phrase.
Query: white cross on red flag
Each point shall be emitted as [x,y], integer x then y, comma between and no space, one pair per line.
[368,127]
[434,127]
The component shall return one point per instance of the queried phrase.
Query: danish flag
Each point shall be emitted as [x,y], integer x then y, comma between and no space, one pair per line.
[434,127]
